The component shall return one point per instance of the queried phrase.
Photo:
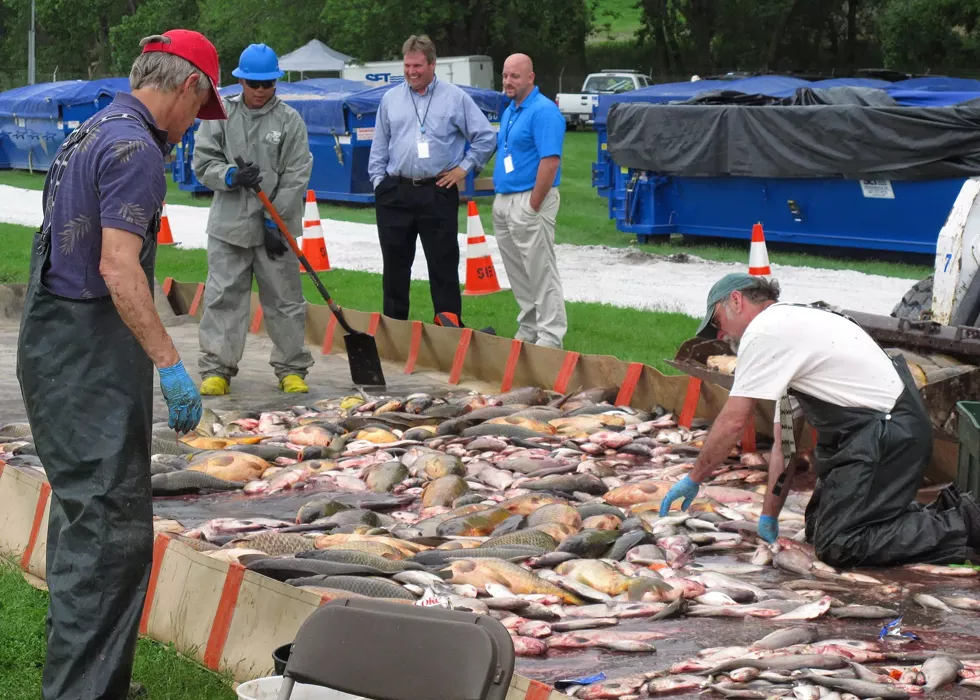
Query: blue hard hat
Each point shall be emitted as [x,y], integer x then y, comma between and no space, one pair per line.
[258,62]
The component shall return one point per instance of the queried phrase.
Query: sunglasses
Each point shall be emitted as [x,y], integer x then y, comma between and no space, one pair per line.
[260,84]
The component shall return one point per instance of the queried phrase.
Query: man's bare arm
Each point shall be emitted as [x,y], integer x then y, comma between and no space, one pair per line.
[726,431]
[542,183]
[123,275]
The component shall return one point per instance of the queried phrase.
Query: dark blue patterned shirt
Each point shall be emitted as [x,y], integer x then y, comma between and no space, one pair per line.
[115,179]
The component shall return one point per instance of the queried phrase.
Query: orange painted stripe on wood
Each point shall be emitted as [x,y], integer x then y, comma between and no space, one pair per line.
[42,502]
[160,545]
[691,399]
[2,465]
[222,618]
[413,349]
[566,372]
[511,366]
[168,285]
[536,690]
[633,373]
[198,297]
[256,321]
[373,324]
[461,349]
[328,336]
[748,437]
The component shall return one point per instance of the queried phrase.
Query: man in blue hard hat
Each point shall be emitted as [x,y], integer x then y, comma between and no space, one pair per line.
[243,240]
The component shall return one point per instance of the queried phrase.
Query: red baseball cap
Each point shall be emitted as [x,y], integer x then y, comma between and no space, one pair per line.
[194,47]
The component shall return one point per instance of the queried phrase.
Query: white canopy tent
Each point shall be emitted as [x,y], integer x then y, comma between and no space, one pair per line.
[314,56]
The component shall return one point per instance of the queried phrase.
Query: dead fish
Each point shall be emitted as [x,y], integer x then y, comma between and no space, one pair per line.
[865,612]
[573,625]
[928,601]
[941,670]
[863,689]
[183,482]
[788,637]
[528,646]
[275,543]
[961,603]
[782,663]
[370,586]
[793,560]
[590,543]
[479,572]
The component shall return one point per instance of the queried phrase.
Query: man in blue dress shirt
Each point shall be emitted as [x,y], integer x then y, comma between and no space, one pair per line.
[418,158]
[525,178]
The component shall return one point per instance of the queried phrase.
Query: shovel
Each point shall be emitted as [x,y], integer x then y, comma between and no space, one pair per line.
[362,350]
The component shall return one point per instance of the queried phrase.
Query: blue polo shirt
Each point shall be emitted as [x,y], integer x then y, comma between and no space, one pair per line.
[528,133]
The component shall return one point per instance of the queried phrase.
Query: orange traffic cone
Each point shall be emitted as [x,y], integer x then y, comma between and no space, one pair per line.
[481,277]
[165,236]
[758,255]
[314,248]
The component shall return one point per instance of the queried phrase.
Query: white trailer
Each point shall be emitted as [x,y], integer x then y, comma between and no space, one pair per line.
[475,71]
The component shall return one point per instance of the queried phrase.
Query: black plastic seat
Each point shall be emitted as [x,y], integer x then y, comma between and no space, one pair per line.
[388,651]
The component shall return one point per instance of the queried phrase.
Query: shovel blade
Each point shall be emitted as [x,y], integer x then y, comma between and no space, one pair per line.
[365,362]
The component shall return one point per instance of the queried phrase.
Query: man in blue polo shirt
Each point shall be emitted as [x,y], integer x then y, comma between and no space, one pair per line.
[525,178]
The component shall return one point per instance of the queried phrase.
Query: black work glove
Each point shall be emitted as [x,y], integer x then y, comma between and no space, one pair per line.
[275,246]
[247,176]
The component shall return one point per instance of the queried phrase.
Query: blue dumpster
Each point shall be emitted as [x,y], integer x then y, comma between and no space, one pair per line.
[895,215]
[35,119]
[340,124]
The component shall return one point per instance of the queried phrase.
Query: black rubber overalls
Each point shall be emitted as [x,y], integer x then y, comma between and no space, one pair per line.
[869,466]
[88,388]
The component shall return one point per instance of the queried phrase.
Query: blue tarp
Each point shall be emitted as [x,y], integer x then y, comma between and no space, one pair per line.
[335,84]
[938,83]
[43,100]
[321,109]
[938,91]
[487,100]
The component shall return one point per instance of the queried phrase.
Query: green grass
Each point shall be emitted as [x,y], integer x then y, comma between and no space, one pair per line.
[583,220]
[600,329]
[166,674]
[622,16]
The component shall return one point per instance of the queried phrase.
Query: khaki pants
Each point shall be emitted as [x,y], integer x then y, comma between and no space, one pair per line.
[526,240]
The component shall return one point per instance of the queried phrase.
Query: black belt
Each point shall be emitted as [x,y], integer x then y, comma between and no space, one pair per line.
[418,182]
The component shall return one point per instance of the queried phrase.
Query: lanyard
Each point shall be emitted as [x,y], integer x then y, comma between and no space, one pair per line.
[510,125]
[432,89]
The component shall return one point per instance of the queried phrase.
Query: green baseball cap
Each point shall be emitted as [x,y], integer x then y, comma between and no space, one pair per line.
[720,291]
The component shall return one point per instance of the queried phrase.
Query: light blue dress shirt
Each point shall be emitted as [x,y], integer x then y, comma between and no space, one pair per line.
[444,116]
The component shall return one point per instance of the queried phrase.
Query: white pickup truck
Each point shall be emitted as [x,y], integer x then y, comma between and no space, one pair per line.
[577,107]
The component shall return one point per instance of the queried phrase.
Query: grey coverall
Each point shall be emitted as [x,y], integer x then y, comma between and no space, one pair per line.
[273,137]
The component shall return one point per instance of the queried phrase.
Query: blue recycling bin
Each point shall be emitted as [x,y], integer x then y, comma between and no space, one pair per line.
[36,119]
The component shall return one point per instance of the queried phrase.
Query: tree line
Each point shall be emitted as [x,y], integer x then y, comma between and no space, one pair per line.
[674,39]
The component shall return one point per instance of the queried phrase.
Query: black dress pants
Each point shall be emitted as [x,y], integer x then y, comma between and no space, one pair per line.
[405,210]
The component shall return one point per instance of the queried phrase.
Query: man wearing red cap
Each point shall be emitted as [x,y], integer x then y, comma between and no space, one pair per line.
[89,340]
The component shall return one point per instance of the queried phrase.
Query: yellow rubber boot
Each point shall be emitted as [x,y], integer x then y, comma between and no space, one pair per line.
[293,384]
[214,386]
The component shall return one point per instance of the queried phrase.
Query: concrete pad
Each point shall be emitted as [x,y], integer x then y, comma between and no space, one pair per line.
[255,387]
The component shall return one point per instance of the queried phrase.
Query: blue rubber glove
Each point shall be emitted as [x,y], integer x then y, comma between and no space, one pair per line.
[768,528]
[230,176]
[686,488]
[182,397]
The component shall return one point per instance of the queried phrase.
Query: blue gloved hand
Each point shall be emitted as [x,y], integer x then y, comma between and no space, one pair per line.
[182,397]
[686,488]
[768,528]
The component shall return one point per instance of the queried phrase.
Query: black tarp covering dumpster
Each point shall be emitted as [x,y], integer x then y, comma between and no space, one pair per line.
[832,134]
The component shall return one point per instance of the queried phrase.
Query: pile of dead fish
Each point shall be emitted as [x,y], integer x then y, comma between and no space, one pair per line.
[542,510]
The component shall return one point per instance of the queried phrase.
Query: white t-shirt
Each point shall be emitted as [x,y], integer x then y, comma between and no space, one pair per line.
[816,352]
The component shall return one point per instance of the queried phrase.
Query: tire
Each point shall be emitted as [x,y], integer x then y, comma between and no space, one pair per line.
[916,305]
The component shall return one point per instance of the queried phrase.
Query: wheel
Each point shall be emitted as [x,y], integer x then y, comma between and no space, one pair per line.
[642,238]
[916,305]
